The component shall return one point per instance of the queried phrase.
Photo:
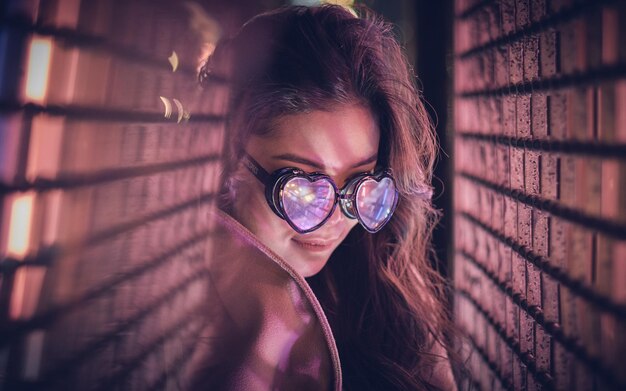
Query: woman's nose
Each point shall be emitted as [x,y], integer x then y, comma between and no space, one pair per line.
[336,218]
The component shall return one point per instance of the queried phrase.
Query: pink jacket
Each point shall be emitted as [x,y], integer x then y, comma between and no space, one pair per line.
[266,330]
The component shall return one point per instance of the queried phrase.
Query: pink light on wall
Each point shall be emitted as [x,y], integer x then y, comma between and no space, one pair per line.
[26,290]
[38,69]
[44,155]
[28,281]
[20,225]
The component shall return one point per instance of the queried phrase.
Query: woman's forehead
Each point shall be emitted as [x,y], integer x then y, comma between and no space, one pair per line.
[334,140]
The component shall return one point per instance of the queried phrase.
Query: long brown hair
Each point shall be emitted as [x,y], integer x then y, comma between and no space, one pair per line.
[382,296]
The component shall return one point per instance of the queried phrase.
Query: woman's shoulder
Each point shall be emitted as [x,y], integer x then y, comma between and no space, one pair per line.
[263,329]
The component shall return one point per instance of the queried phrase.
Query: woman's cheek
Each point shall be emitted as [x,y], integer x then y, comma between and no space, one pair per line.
[257,216]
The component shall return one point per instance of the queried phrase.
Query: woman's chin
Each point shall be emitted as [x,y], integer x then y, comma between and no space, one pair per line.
[308,261]
[310,270]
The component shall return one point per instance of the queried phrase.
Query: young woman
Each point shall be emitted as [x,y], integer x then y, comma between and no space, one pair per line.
[329,157]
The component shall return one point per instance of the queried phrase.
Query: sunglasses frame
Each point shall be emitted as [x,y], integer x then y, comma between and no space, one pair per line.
[346,196]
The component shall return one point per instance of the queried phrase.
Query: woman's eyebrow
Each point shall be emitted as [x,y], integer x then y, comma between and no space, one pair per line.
[302,160]
[299,159]
[369,160]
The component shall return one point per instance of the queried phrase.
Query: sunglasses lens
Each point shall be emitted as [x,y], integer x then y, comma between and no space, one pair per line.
[306,204]
[375,202]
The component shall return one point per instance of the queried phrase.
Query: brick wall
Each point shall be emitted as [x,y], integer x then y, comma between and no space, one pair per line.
[540,192]
[103,198]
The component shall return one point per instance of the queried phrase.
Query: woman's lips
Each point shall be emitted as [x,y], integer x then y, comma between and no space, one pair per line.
[315,244]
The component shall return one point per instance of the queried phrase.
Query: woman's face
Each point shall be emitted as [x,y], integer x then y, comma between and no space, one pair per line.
[339,143]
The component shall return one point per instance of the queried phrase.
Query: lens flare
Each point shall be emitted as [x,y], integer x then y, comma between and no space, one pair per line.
[181,110]
[168,106]
[173,59]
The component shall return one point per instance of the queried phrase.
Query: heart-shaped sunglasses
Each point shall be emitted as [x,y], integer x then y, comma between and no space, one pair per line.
[307,200]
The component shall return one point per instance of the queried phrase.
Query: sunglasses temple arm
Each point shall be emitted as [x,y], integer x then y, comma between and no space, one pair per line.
[255,168]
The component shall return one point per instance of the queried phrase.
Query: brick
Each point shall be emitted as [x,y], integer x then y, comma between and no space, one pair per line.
[516,62]
[493,20]
[524,225]
[498,212]
[519,374]
[569,50]
[619,273]
[593,39]
[558,242]
[522,13]
[562,368]
[503,166]
[507,14]
[582,50]
[549,63]
[501,70]
[508,115]
[610,36]
[523,117]
[512,320]
[461,34]
[579,115]
[505,271]
[510,217]
[506,356]
[482,28]
[481,331]
[550,175]
[479,250]
[532,172]
[483,115]
[489,61]
[540,233]
[495,115]
[539,115]
[558,112]
[606,112]
[537,10]
[542,349]
[490,164]
[534,287]
[517,168]
[620,115]
[531,57]
[569,313]
[500,315]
